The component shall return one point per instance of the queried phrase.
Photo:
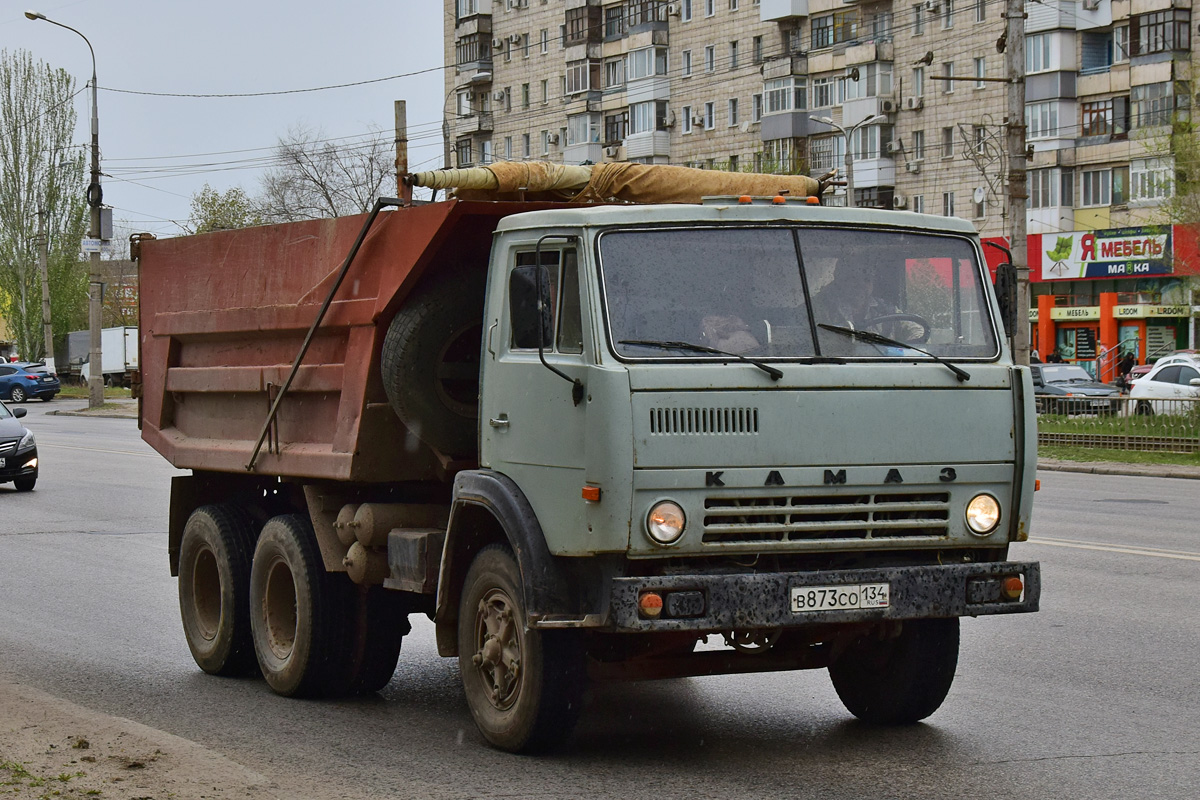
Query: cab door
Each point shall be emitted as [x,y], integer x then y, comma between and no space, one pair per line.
[533,430]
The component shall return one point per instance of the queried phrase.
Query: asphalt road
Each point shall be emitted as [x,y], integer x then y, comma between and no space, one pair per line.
[1096,696]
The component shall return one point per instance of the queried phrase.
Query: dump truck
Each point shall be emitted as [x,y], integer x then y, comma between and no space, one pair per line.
[640,423]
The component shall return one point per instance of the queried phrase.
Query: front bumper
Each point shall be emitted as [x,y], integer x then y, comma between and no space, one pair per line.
[17,466]
[752,601]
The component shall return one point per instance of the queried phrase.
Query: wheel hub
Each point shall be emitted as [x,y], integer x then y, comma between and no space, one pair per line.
[498,655]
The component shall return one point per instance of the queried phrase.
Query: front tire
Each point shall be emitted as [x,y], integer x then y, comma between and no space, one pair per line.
[24,484]
[524,686]
[296,612]
[901,680]
[17,395]
[214,581]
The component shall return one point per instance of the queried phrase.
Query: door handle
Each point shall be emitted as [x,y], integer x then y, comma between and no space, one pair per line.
[491,348]
[499,422]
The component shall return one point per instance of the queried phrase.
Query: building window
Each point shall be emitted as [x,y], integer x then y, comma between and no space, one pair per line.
[710,7]
[733,55]
[834,28]
[582,76]
[1037,53]
[614,22]
[980,208]
[947,13]
[544,43]
[687,63]
[1159,32]
[947,204]
[647,62]
[1095,52]
[948,71]
[733,112]
[473,48]
[979,137]
[685,12]
[710,58]
[918,23]
[545,91]
[1043,188]
[874,80]
[524,95]
[462,151]
[756,108]
[583,25]
[980,72]
[1097,117]
[1096,187]
[822,92]
[826,153]
[641,12]
[710,116]
[615,127]
[545,143]
[485,152]
[1120,43]
[1151,178]
[881,24]
[648,116]
[1041,120]
[980,10]
[466,8]
[508,98]
[918,204]
[508,151]
[526,147]
[687,119]
[733,5]
[947,142]
[1155,103]
[757,49]
[918,145]
[868,142]
[583,129]
[614,73]
[919,82]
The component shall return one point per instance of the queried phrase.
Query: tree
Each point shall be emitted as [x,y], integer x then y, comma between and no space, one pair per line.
[222,211]
[319,178]
[39,170]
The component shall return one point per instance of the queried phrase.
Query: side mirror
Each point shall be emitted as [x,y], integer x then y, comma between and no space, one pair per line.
[19,412]
[1193,382]
[1006,290]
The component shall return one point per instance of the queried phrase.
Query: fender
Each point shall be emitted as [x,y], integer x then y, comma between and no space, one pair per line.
[545,586]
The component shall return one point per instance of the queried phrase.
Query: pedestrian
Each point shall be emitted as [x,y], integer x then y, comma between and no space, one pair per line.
[1055,358]
[1127,363]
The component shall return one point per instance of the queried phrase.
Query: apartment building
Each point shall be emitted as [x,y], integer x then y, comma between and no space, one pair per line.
[770,86]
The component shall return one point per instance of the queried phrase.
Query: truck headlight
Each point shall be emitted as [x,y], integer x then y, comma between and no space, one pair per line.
[983,514]
[665,522]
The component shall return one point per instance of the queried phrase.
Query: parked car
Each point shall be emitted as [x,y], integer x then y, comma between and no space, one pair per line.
[1139,371]
[18,450]
[1070,389]
[1172,387]
[25,379]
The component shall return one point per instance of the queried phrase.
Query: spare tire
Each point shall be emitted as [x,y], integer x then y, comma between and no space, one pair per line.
[430,361]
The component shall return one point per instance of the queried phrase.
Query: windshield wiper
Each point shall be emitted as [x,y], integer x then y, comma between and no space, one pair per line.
[699,348]
[878,338]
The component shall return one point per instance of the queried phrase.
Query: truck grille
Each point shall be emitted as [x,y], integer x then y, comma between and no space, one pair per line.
[667,421]
[789,518]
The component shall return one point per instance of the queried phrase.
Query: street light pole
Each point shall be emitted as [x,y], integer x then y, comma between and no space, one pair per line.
[849,161]
[95,198]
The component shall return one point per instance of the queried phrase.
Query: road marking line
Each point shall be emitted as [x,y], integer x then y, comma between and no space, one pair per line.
[98,450]
[1181,555]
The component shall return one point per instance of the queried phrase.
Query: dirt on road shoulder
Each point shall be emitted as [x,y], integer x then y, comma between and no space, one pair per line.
[51,748]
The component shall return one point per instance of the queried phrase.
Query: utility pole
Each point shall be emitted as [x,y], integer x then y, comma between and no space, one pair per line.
[1018,193]
[402,191]
[44,263]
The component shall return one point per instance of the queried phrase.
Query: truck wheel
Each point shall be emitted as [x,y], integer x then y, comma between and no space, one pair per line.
[382,623]
[214,580]
[524,687]
[902,680]
[430,361]
[296,611]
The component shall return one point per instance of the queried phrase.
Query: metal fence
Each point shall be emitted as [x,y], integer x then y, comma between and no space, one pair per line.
[1119,423]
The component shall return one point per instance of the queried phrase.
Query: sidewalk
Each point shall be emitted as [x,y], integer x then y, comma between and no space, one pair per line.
[114,408]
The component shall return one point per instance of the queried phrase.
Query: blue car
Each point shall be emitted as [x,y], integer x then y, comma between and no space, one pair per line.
[18,451]
[23,380]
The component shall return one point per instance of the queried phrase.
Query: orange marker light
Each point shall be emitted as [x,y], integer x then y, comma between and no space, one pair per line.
[591,493]
[1037,484]
[745,199]
[650,604]
[813,201]
[778,199]
[1012,587]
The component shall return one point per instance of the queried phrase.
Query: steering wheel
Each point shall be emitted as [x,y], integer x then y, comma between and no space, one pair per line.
[916,319]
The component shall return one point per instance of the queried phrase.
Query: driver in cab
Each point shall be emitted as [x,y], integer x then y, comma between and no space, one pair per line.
[850,300]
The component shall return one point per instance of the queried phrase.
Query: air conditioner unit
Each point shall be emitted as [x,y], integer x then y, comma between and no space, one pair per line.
[899,201]
[515,38]
[498,95]
[913,166]
[1091,5]
[932,6]
[892,146]
[497,44]
[612,152]
[552,138]
[672,9]
[914,103]
[887,106]
[698,119]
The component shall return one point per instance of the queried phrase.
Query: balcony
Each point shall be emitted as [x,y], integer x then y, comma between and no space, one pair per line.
[776,10]
[479,122]
[784,67]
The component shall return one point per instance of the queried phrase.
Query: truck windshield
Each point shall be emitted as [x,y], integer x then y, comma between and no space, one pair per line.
[770,292]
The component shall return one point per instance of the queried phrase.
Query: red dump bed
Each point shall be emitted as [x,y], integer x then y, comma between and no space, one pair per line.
[223,316]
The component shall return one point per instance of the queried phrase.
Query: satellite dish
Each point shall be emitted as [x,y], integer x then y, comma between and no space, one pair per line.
[745,126]
[980,194]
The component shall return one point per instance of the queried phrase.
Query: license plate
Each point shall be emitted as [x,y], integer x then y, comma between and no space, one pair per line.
[3,462]
[47,380]
[839,598]
[1099,403]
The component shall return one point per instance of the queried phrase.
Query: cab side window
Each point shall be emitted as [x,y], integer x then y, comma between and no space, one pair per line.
[556,312]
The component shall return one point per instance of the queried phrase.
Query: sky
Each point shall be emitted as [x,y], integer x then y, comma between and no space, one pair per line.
[156,151]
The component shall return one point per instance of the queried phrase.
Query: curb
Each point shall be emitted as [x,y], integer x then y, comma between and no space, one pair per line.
[1116,468]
